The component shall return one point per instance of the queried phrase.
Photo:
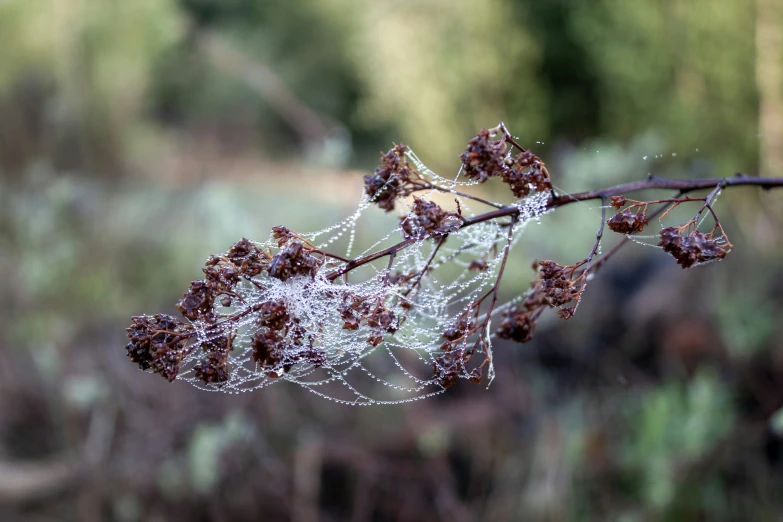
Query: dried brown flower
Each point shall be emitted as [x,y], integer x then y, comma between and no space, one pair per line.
[248,258]
[484,157]
[690,249]
[618,202]
[292,261]
[280,342]
[428,219]
[447,367]
[478,265]
[527,174]
[459,330]
[517,325]
[556,283]
[627,222]
[157,342]
[390,178]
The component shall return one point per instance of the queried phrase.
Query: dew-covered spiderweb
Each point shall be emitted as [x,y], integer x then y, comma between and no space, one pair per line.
[443,276]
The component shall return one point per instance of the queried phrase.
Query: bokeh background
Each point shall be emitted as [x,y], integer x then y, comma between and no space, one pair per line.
[138,137]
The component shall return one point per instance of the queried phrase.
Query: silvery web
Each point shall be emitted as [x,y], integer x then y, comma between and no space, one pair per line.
[400,369]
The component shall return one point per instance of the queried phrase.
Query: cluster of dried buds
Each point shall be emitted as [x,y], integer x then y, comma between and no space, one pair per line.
[427,219]
[626,221]
[448,366]
[685,243]
[161,342]
[554,286]
[281,342]
[158,342]
[357,310]
[213,368]
[487,158]
[693,247]
[392,179]
[222,274]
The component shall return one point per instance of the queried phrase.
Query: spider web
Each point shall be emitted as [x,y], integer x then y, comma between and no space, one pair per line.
[399,369]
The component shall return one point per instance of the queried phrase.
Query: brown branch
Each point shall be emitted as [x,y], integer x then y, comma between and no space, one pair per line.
[683,185]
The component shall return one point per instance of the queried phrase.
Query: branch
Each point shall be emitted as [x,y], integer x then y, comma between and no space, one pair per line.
[683,185]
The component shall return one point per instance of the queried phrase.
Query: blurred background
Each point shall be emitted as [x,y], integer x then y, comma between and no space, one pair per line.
[138,137]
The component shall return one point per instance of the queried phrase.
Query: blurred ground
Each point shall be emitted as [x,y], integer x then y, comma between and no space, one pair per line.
[137,138]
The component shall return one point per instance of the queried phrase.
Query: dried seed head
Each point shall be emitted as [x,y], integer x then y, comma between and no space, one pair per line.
[157,343]
[388,181]
[459,330]
[198,301]
[566,313]
[517,325]
[691,249]
[557,284]
[248,259]
[273,315]
[478,265]
[618,202]
[428,219]
[627,222]
[222,273]
[293,260]
[484,157]
[527,174]
[447,367]
[213,368]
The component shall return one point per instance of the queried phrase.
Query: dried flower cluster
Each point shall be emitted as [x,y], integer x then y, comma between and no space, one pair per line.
[280,342]
[689,249]
[627,222]
[286,309]
[486,158]
[213,367]
[222,273]
[448,367]
[685,243]
[391,179]
[555,285]
[427,219]
[157,343]
[357,310]
[292,261]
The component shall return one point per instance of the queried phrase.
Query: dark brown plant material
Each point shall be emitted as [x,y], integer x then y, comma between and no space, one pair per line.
[213,367]
[486,158]
[157,342]
[293,260]
[627,222]
[690,249]
[241,323]
[427,219]
[280,342]
[390,179]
